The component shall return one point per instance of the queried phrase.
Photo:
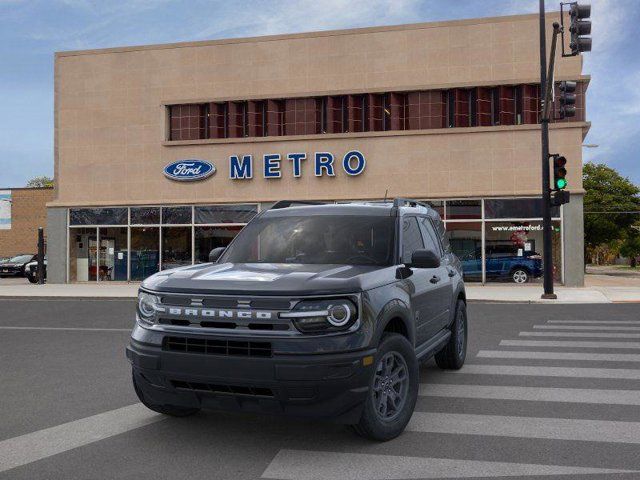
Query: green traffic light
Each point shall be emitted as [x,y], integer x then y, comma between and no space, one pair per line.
[561,183]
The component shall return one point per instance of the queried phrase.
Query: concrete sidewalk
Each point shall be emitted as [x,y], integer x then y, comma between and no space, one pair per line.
[475,292]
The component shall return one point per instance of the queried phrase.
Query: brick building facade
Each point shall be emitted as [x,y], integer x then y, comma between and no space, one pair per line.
[28,212]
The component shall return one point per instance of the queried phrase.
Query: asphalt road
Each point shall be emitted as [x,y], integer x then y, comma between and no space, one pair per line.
[547,391]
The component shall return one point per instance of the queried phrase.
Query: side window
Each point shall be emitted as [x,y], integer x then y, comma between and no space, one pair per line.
[411,238]
[430,239]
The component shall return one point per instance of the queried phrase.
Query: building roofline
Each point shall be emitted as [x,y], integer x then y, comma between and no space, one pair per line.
[313,34]
[26,188]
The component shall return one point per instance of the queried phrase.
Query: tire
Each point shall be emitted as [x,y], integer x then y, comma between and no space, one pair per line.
[452,356]
[520,275]
[382,426]
[32,278]
[171,410]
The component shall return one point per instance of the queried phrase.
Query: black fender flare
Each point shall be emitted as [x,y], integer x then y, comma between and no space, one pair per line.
[395,309]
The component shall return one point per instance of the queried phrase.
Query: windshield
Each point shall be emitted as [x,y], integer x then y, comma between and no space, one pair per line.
[21,259]
[317,239]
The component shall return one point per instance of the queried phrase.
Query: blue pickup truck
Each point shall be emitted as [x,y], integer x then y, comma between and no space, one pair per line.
[503,262]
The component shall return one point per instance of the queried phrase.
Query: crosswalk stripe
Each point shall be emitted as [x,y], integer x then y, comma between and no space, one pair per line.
[534,371]
[580,334]
[591,357]
[599,322]
[526,427]
[586,327]
[568,344]
[317,465]
[34,446]
[536,394]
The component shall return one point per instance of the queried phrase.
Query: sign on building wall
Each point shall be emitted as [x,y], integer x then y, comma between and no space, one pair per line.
[5,209]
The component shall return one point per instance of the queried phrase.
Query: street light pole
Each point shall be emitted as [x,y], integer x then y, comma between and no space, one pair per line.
[546,191]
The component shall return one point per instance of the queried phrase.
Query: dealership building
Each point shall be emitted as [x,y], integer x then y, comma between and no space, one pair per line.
[163,152]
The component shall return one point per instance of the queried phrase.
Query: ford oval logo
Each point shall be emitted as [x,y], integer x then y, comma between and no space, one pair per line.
[187,170]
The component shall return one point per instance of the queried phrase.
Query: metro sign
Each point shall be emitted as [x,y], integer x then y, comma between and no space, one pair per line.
[241,167]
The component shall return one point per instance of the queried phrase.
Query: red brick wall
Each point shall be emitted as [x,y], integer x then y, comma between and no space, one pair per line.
[28,212]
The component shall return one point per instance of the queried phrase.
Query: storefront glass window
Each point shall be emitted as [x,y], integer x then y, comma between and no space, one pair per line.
[98,216]
[225,213]
[464,209]
[82,254]
[513,251]
[516,208]
[465,240]
[176,247]
[145,215]
[176,215]
[112,256]
[145,252]
[208,238]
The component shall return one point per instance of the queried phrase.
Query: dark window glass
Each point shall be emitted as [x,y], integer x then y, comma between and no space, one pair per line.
[275,117]
[516,208]
[464,209]
[506,105]
[336,114]
[236,119]
[217,120]
[112,254]
[145,215]
[301,116]
[396,111]
[145,252]
[431,241]
[483,107]
[461,107]
[375,112]
[530,103]
[225,213]
[465,240]
[176,215]
[356,113]
[176,247]
[256,110]
[187,122]
[426,110]
[98,216]
[208,238]
[411,238]
[317,239]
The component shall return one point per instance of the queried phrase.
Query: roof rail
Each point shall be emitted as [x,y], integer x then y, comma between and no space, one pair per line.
[290,203]
[409,202]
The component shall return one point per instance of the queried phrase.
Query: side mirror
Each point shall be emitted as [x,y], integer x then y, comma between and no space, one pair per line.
[425,259]
[215,254]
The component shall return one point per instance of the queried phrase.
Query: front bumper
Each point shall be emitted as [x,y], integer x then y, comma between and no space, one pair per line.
[330,386]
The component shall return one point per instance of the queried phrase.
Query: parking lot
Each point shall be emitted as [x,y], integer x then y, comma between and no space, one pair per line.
[547,391]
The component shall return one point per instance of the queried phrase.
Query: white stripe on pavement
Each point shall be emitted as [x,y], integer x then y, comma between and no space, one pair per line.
[70,329]
[586,327]
[591,357]
[34,446]
[599,322]
[532,371]
[535,394]
[526,427]
[580,334]
[315,465]
[569,344]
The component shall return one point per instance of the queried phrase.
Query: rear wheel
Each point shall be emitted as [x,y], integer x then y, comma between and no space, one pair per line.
[171,410]
[520,275]
[393,390]
[32,278]
[452,356]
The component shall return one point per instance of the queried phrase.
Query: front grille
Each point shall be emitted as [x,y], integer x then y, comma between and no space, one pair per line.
[217,347]
[226,389]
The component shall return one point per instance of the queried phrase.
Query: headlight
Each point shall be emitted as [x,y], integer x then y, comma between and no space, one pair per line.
[323,316]
[147,306]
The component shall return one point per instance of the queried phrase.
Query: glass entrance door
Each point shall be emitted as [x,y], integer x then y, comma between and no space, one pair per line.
[113,254]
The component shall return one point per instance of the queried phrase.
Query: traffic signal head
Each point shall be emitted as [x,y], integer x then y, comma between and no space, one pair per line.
[580,27]
[567,99]
[559,172]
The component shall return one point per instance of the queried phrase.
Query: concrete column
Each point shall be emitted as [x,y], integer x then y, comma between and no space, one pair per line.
[573,234]
[57,245]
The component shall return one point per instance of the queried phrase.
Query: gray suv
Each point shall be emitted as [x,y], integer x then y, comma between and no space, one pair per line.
[321,310]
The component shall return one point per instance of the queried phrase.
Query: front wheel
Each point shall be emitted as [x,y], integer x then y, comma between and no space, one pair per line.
[520,275]
[393,390]
[452,356]
[171,410]
[32,278]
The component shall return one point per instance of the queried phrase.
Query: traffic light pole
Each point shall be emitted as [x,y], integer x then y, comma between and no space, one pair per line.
[547,246]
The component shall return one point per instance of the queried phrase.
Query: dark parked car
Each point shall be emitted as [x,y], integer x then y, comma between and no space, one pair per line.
[315,311]
[14,267]
[503,262]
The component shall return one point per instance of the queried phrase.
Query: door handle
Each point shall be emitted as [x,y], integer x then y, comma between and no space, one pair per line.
[435,279]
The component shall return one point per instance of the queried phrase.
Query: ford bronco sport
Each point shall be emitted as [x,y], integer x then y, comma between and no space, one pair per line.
[313,310]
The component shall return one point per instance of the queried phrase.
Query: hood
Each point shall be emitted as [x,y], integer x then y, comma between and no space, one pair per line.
[270,279]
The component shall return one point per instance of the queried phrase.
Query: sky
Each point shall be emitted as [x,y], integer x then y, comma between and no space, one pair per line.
[32,30]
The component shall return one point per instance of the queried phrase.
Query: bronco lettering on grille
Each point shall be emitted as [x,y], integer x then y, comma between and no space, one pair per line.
[211,312]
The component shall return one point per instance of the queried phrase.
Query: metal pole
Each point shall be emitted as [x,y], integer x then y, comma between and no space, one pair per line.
[40,271]
[546,192]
